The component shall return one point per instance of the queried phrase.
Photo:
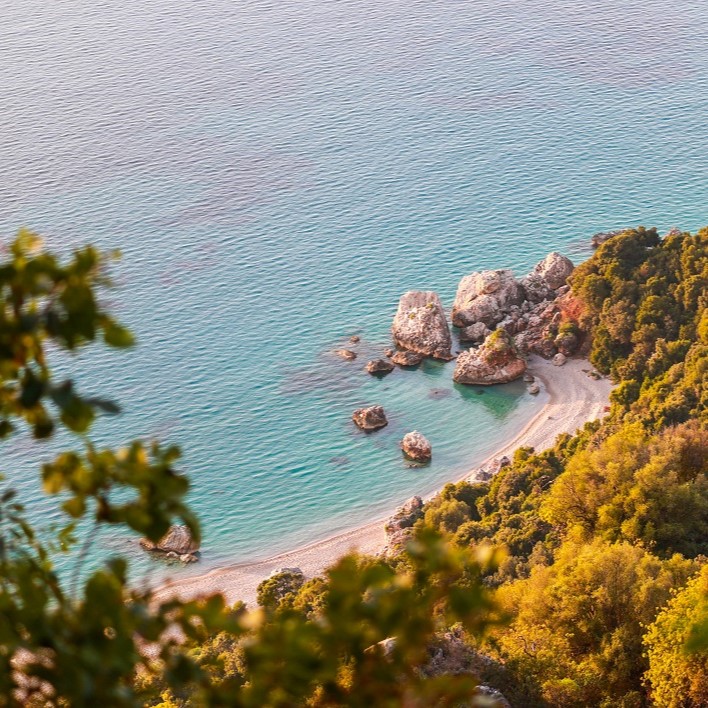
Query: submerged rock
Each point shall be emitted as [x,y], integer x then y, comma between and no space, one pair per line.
[379,366]
[347,354]
[599,238]
[371,418]
[529,377]
[355,339]
[496,361]
[403,358]
[533,388]
[416,447]
[178,540]
[420,325]
[486,297]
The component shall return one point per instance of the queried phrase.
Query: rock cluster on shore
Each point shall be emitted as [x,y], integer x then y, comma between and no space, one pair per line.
[496,361]
[488,470]
[399,527]
[176,543]
[537,312]
[507,318]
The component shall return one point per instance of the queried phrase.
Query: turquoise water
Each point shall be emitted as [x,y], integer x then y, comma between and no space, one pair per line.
[277,174]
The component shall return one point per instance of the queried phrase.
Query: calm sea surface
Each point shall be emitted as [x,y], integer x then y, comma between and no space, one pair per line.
[276,174]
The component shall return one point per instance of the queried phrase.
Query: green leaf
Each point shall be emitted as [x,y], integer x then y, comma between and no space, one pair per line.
[116,335]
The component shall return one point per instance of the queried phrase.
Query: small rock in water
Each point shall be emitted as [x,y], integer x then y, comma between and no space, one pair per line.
[178,540]
[436,393]
[188,558]
[533,388]
[347,354]
[355,339]
[529,378]
[405,358]
[559,359]
[416,447]
[379,366]
[389,352]
[371,418]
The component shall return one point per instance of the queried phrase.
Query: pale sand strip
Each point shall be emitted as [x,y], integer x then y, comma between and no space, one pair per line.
[574,399]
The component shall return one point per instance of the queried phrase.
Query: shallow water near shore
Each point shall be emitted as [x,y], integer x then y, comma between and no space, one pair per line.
[276,175]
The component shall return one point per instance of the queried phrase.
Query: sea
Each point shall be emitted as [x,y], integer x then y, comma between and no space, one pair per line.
[277,174]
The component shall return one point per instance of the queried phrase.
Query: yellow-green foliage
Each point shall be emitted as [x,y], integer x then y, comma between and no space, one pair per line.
[678,677]
[580,620]
[600,529]
[650,490]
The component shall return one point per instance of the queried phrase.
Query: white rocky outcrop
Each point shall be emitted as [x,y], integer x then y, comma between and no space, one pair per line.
[420,325]
[547,277]
[416,447]
[486,297]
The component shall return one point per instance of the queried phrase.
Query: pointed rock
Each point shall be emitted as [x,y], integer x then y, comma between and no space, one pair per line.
[420,325]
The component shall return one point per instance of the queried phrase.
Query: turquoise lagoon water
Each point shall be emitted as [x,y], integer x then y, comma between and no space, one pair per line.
[277,174]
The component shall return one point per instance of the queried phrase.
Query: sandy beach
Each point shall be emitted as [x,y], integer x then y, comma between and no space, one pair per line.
[574,398]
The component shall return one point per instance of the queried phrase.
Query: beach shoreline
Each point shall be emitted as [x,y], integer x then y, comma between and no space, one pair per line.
[574,398]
